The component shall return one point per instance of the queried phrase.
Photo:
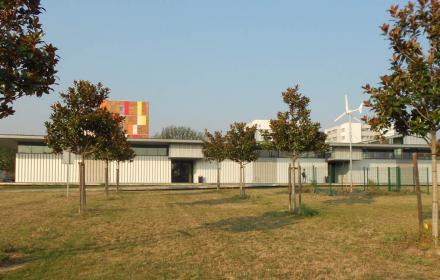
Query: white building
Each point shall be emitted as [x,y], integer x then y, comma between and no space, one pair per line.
[161,161]
[341,134]
[362,133]
[262,127]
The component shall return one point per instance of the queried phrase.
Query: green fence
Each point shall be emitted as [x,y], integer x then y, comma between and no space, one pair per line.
[390,178]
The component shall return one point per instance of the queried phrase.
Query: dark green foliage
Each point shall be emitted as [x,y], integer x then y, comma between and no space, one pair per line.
[214,146]
[241,145]
[293,131]
[81,126]
[180,133]
[79,123]
[7,159]
[408,97]
[27,63]
[114,147]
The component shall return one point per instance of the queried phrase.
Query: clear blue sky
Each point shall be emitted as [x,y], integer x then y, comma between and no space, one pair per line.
[206,63]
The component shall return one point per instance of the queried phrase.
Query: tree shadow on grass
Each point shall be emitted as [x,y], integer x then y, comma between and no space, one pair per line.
[427,215]
[351,200]
[267,221]
[217,201]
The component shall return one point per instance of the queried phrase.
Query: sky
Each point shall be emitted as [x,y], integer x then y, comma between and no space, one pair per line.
[207,64]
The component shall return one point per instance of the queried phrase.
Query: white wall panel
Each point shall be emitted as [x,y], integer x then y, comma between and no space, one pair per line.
[185,151]
[320,166]
[43,168]
[230,172]
[143,170]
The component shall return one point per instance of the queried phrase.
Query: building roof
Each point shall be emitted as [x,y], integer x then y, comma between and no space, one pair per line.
[11,140]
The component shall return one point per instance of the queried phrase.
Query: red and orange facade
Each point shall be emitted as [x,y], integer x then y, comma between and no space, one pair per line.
[136,113]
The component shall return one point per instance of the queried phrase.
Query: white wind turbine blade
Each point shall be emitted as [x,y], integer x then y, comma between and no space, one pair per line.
[338,118]
[346,104]
[360,108]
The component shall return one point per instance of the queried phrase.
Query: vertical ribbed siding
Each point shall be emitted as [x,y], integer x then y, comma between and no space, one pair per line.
[320,166]
[143,170]
[230,172]
[48,168]
[265,171]
[43,168]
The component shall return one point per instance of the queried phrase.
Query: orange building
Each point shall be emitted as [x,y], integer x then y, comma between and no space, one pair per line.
[136,114]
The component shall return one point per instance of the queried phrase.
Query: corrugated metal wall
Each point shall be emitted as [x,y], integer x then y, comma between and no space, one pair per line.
[265,171]
[143,170]
[320,165]
[48,168]
[230,171]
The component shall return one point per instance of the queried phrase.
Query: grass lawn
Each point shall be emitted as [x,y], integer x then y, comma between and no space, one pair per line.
[206,234]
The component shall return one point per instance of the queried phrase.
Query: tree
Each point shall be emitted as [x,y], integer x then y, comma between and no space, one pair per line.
[242,147]
[78,125]
[179,132]
[27,63]
[214,149]
[113,146]
[123,153]
[294,132]
[7,159]
[408,97]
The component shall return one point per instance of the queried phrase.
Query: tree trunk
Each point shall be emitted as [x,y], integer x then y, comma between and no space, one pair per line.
[106,178]
[82,186]
[218,175]
[434,189]
[242,191]
[419,195]
[300,188]
[290,188]
[117,176]
[295,206]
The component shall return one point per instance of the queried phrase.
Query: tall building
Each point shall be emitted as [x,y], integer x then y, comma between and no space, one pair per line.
[359,133]
[362,133]
[262,127]
[136,114]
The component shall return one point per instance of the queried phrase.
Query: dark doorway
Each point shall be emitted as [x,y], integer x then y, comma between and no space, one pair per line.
[181,171]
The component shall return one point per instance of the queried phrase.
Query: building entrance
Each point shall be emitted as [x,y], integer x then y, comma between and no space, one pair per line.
[181,171]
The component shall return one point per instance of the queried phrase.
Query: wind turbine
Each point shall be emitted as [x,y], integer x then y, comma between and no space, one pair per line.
[349,113]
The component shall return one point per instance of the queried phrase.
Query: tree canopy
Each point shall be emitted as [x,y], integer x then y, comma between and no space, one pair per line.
[27,62]
[180,133]
[293,131]
[241,145]
[76,124]
[115,147]
[214,146]
[408,97]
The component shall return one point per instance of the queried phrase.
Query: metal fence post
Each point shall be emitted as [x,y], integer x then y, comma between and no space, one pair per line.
[364,178]
[389,179]
[377,177]
[398,179]
[368,171]
[427,178]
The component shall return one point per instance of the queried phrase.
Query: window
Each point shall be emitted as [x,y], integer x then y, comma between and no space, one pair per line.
[150,151]
[33,148]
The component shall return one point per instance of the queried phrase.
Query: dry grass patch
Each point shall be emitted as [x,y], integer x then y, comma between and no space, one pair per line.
[209,234]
